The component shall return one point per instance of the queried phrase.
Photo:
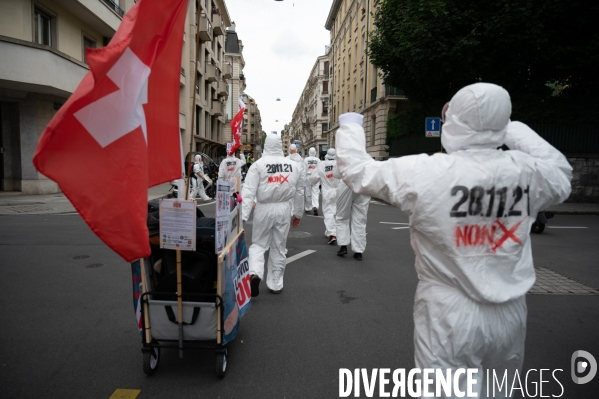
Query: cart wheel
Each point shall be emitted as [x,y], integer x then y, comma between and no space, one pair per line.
[151,359]
[537,227]
[221,363]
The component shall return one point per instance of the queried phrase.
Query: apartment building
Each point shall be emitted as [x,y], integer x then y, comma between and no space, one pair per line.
[205,78]
[355,84]
[42,48]
[310,118]
[236,79]
[252,127]
[42,61]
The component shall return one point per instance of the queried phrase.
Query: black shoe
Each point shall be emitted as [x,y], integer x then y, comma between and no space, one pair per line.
[276,291]
[342,251]
[332,240]
[315,212]
[255,285]
[308,211]
[358,256]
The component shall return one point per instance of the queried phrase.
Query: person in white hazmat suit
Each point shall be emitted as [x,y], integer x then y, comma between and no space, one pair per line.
[294,156]
[197,185]
[312,162]
[230,169]
[329,183]
[350,219]
[272,181]
[471,211]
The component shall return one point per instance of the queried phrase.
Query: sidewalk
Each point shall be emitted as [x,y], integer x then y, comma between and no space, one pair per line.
[13,203]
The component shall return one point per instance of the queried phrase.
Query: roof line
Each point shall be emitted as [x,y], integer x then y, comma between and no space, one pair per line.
[332,13]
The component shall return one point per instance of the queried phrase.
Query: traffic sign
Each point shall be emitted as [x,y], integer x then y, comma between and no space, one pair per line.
[432,127]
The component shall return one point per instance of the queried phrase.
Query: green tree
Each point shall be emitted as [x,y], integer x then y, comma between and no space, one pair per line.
[544,52]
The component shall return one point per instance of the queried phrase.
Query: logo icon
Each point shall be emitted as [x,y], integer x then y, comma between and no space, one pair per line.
[583,362]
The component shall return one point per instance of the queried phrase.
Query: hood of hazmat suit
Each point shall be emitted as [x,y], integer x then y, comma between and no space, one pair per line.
[311,161]
[470,211]
[273,179]
[230,169]
[330,154]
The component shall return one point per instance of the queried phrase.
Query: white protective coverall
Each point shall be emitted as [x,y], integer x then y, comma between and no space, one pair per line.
[306,184]
[197,185]
[230,169]
[324,175]
[272,181]
[351,215]
[471,212]
[312,162]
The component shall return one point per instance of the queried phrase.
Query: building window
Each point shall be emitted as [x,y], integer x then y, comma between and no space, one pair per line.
[325,87]
[373,130]
[43,28]
[87,43]
[325,127]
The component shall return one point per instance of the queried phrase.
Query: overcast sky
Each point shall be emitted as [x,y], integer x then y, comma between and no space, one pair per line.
[281,40]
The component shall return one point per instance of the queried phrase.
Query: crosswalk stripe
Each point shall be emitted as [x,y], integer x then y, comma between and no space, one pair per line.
[125,394]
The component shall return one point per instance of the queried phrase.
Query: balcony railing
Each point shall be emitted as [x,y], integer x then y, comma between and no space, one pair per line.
[112,5]
[210,73]
[393,91]
[205,29]
[217,23]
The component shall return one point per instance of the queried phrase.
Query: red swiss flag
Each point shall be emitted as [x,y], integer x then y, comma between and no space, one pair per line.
[118,133]
[236,124]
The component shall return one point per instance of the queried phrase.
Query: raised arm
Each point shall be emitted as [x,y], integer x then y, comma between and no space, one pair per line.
[392,181]
[553,173]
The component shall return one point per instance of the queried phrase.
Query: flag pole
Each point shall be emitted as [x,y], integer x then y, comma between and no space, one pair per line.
[188,180]
[194,121]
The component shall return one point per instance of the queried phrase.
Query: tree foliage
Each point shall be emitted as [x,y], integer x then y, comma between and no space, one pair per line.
[544,52]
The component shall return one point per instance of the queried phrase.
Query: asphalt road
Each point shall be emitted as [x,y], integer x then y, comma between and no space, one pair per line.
[68,328]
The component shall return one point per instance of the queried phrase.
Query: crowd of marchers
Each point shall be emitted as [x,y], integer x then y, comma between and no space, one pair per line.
[470,306]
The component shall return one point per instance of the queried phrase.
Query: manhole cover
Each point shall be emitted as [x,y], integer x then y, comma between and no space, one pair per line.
[299,234]
[28,208]
[81,257]
[551,283]
[94,265]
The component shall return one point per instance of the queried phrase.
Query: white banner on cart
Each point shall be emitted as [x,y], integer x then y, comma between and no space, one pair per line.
[178,224]
[221,233]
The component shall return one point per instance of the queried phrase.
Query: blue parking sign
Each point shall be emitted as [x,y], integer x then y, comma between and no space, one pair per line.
[433,127]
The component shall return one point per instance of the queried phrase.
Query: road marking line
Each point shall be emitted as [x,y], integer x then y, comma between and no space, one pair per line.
[394,223]
[298,256]
[566,227]
[125,394]
[400,228]
[313,216]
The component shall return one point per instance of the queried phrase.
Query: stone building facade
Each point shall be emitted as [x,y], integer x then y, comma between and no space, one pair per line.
[310,118]
[355,82]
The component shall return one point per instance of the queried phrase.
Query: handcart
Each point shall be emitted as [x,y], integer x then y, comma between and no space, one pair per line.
[210,291]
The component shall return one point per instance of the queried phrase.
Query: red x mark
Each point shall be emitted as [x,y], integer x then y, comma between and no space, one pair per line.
[507,234]
[284,179]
